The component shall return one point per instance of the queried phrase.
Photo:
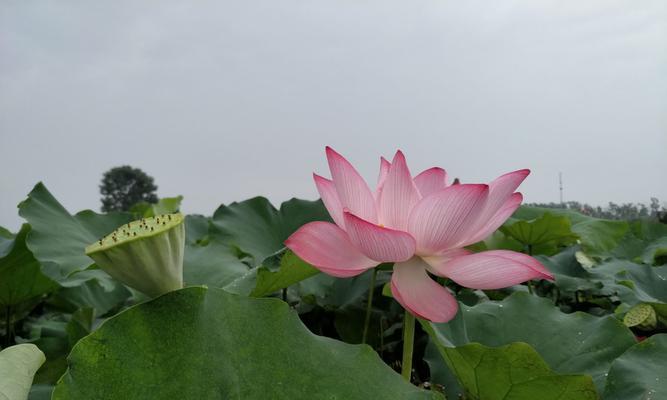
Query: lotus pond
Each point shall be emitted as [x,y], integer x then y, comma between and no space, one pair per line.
[419,289]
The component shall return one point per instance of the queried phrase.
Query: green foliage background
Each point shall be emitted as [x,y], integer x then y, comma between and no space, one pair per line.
[255,321]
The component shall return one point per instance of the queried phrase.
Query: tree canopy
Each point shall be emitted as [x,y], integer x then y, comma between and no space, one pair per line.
[124,186]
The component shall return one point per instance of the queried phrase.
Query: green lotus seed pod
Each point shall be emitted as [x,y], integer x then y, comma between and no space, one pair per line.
[641,316]
[146,254]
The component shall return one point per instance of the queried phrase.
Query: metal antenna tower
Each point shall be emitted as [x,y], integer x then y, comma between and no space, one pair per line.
[560,186]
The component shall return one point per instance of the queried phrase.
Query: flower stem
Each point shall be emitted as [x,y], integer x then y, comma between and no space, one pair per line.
[531,290]
[408,344]
[8,326]
[369,306]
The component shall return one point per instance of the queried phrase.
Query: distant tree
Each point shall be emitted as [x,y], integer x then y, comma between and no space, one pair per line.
[625,211]
[655,206]
[124,186]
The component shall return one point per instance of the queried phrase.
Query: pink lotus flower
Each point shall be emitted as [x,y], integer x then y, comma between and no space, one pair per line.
[422,225]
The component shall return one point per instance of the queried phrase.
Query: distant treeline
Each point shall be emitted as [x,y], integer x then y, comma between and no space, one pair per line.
[625,211]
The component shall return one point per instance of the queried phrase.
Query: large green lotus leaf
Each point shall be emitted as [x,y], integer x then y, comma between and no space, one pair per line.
[40,392]
[166,205]
[90,288]
[80,325]
[18,365]
[198,343]
[49,333]
[257,228]
[543,235]
[6,240]
[281,271]
[575,343]
[637,283]
[5,233]
[60,238]
[640,373]
[212,263]
[632,283]
[498,241]
[598,236]
[644,242]
[640,282]
[440,374]
[529,213]
[196,228]
[278,271]
[209,261]
[512,372]
[573,278]
[21,278]
[655,253]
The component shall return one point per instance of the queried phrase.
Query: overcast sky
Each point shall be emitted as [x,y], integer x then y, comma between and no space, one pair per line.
[222,101]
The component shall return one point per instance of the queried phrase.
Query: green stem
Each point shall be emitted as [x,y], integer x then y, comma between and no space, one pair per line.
[8,328]
[408,345]
[382,322]
[369,306]
[531,290]
[284,295]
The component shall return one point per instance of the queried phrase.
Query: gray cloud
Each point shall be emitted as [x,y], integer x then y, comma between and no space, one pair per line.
[221,101]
